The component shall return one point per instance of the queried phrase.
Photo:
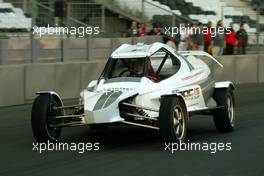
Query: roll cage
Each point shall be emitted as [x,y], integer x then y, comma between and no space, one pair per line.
[147,64]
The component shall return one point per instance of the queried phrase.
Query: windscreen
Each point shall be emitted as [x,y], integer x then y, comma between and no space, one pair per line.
[128,67]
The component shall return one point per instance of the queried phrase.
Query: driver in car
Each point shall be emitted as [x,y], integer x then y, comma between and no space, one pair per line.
[138,68]
[138,71]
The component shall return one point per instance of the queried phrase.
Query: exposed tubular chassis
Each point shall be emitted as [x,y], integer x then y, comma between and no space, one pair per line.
[80,107]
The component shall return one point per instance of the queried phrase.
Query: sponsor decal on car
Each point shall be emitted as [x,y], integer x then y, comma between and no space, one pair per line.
[189,94]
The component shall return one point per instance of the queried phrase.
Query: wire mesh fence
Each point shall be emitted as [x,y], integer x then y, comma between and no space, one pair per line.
[88,13]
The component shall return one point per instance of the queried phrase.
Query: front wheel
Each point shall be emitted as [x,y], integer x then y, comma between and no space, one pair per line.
[173,119]
[224,117]
[43,121]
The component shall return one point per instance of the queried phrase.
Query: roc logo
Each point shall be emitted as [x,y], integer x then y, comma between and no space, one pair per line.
[191,93]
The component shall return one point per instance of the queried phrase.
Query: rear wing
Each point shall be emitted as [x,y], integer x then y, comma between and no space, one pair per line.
[199,53]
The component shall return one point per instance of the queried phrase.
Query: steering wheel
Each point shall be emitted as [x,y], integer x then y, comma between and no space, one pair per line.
[125,71]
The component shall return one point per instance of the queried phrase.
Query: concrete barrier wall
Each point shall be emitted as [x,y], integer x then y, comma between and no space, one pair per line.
[38,77]
[261,68]
[241,69]
[12,85]
[19,83]
[227,72]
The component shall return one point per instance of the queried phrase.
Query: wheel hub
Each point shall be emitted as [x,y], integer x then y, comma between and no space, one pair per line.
[178,122]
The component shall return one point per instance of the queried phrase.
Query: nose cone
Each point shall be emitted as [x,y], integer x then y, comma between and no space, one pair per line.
[106,99]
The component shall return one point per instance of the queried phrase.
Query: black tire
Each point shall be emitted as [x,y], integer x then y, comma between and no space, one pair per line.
[173,118]
[224,117]
[41,118]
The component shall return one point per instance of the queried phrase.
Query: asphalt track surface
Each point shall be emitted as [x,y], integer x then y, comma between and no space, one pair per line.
[138,151]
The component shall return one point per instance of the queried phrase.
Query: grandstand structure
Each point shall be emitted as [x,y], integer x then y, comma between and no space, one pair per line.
[202,11]
[114,18]
[13,18]
[171,12]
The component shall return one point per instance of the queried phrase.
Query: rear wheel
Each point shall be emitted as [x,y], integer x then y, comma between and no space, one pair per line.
[43,120]
[173,119]
[224,117]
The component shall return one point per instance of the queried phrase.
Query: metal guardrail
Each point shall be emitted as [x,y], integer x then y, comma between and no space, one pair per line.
[57,49]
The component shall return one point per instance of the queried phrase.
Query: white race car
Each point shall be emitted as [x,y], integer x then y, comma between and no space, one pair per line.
[151,86]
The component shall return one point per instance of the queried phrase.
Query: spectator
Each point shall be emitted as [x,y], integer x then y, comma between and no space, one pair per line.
[197,37]
[207,36]
[154,30]
[211,50]
[171,43]
[133,30]
[242,39]
[142,30]
[218,40]
[183,45]
[230,39]
[177,39]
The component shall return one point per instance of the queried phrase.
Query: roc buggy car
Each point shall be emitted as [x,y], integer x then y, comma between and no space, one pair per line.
[150,86]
